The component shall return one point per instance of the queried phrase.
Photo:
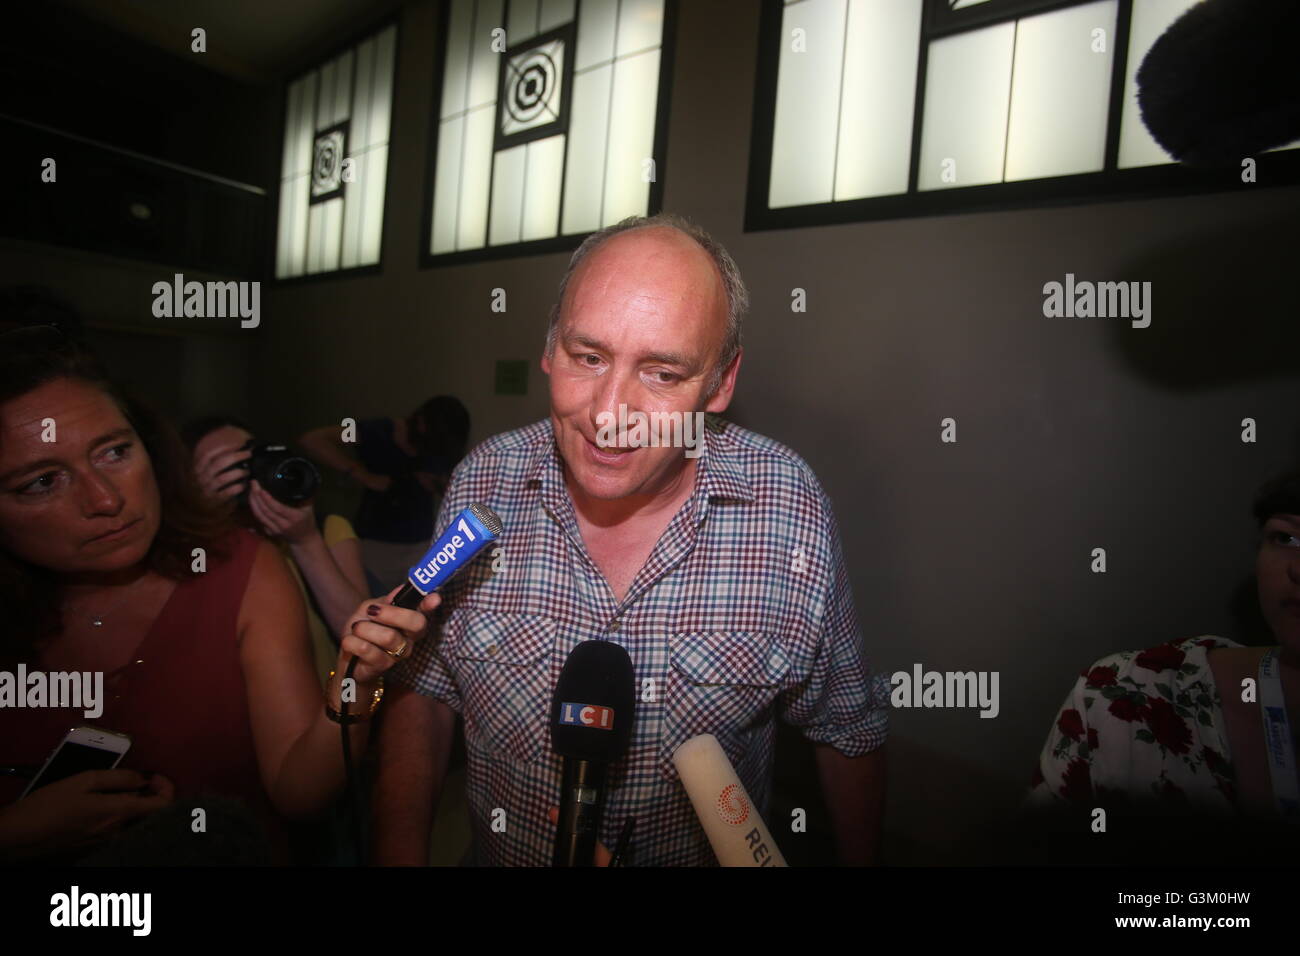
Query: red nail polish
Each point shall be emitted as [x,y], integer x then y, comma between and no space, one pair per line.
[373,610]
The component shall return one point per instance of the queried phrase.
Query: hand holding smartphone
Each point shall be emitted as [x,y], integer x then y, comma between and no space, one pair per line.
[84,748]
[69,807]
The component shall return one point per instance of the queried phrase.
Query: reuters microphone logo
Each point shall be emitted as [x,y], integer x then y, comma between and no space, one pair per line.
[732,805]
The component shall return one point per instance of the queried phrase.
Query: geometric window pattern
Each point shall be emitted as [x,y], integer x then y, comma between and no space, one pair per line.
[335,167]
[546,121]
[1011,94]
[533,88]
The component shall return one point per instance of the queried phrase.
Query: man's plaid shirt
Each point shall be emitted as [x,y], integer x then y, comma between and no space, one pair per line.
[742,611]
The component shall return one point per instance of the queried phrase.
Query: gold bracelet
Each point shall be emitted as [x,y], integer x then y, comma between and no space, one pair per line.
[345,719]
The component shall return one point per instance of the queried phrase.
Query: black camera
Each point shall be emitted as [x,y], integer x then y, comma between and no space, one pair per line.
[288,478]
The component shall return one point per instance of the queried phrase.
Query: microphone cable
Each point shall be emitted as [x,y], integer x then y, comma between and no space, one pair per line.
[408,597]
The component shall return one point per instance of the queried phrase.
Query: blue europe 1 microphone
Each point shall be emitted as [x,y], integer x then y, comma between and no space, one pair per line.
[474,528]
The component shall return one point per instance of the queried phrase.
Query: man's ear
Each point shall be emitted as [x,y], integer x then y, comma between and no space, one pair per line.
[552,334]
[726,388]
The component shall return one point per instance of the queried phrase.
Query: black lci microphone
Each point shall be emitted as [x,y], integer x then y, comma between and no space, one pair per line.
[591,724]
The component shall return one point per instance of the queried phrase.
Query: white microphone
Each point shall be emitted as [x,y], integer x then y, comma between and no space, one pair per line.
[734,828]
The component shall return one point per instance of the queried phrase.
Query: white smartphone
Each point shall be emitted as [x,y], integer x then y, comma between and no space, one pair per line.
[85,748]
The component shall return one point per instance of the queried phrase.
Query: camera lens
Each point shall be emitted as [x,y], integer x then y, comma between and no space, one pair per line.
[288,478]
[295,480]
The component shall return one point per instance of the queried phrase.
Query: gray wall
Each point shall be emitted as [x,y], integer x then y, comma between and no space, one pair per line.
[186,367]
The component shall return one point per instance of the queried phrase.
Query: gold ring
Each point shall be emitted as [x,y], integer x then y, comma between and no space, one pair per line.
[400,653]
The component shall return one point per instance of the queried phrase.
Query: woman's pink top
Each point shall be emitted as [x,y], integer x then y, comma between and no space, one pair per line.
[181,699]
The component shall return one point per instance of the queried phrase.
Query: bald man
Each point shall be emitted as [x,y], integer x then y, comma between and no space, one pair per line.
[710,553]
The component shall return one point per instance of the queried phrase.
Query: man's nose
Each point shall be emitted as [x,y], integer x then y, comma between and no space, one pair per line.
[615,388]
[99,496]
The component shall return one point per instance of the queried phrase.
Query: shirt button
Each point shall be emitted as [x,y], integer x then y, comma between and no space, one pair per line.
[613,626]
[492,649]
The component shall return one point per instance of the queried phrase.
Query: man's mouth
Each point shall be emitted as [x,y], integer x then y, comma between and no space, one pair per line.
[615,449]
[606,456]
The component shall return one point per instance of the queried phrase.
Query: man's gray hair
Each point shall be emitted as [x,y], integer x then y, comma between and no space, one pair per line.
[732,283]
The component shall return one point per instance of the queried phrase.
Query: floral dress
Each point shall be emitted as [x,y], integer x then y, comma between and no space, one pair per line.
[1141,724]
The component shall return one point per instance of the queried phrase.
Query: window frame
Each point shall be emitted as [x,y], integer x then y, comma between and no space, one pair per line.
[1109,184]
[560,243]
[355,40]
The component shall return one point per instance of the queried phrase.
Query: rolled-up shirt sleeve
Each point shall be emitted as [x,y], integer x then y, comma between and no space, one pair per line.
[841,702]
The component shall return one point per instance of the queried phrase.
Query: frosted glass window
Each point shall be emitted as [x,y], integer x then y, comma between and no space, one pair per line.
[596,38]
[1060,94]
[381,90]
[446,194]
[475,185]
[544,171]
[507,195]
[1151,18]
[334,168]
[1013,93]
[631,136]
[455,73]
[879,92]
[554,13]
[963,133]
[331,234]
[640,26]
[584,180]
[484,61]
[526,191]
[523,21]
[374,184]
[561,140]
[807,103]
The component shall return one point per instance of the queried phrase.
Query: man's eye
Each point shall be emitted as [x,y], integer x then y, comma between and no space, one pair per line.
[666,378]
[1284,538]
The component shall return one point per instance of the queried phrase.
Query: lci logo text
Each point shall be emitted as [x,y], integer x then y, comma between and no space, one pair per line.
[587,715]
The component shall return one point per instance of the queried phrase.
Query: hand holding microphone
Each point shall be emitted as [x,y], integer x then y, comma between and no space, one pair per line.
[371,644]
[379,635]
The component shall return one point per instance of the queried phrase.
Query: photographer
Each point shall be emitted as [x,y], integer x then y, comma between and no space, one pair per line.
[325,558]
